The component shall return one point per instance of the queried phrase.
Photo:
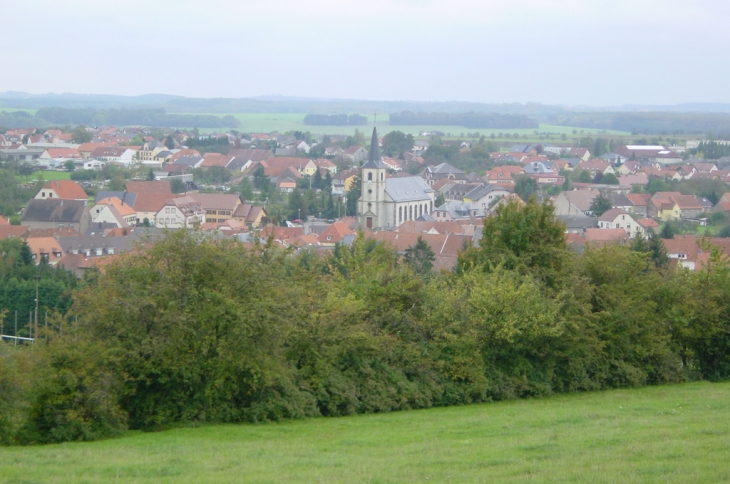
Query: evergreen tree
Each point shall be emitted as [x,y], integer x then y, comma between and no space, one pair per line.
[420,257]
[297,205]
[600,205]
[354,195]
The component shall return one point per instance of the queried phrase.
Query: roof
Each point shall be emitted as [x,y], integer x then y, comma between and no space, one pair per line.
[251,154]
[406,189]
[63,153]
[374,160]
[53,210]
[153,187]
[419,227]
[581,199]
[123,209]
[217,201]
[446,247]
[610,215]
[9,231]
[67,189]
[606,235]
[45,245]
[218,160]
[336,232]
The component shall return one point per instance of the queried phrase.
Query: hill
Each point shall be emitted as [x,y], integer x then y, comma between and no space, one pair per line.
[676,433]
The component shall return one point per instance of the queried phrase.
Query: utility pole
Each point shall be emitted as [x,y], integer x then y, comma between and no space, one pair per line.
[36,304]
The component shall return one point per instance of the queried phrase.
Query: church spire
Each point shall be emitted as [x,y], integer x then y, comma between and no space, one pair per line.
[374,158]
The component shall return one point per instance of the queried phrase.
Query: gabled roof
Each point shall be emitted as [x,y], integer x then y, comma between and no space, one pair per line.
[8,231]
[212,201]
[157,186]
[336,232]
[606,235]
[610,215]
[66,189]
[53,210]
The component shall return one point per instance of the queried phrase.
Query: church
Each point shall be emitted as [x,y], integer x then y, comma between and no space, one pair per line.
[388,202]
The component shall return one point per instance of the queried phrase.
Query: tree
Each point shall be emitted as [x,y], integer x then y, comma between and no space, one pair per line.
[524,237]
[585,176]
[260,180]
[81,135]
[609,179]
[669,231]
[26,170]
[440,200]
[177,185]
[420,257]
[317,182]
[169,142]
[525,187]
[354,195]
[396,143]
[151,175]
[298,208]
[69,165]
[600,205]
[245,189]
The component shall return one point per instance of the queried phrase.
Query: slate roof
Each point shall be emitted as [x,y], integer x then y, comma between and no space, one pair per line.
[412,188]
[53,210]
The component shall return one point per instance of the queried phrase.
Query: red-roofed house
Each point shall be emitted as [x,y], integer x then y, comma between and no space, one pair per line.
[334,234]
[63,189]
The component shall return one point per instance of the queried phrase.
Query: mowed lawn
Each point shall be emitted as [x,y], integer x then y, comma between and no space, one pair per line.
[46,175]
[678,433]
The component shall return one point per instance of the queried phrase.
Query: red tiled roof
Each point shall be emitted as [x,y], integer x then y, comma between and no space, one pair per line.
[67,189]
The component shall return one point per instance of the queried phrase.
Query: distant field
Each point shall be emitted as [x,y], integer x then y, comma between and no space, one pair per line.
[265,123]
[46,175]
[676,434]
[12,110]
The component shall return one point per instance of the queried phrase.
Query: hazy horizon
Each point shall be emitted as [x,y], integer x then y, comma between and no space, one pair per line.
[557,52]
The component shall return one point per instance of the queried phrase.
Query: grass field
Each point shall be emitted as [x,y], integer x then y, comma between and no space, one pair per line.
[46,175]
[282,122]
[677,433]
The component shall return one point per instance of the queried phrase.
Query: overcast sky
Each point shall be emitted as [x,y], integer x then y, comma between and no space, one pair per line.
[576,52]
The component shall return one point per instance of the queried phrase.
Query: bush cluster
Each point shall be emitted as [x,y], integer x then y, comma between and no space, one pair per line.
[197,329]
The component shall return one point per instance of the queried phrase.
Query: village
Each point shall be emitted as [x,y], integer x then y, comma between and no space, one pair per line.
[249,186]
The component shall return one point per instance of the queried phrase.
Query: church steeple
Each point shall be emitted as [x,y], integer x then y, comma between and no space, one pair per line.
[374,160]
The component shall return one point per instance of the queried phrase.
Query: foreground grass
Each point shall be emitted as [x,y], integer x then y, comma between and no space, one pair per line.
[677,433]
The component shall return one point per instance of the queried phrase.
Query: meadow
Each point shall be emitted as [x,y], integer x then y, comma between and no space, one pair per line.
[282,122]
[47,175]
[674,433]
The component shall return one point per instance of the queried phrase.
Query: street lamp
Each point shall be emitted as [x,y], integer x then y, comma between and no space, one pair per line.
[37,278]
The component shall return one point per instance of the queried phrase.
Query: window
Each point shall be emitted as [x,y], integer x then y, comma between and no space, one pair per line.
[370,177]
[400,214]
[167,209]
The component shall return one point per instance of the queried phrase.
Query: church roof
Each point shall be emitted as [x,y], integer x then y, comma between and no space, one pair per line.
[407,189]
[374,160]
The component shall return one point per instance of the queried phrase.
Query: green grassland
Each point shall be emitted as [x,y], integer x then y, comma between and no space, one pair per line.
[46,175]
[677,433]
[12,110]
[282,122]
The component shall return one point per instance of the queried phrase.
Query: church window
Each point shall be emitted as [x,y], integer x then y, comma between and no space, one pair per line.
[410,213]
[370,204]
[381,177]
[400,214]
[370,177]
[370,191]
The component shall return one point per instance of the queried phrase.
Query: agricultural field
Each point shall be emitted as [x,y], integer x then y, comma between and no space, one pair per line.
[677,433]
[267,122]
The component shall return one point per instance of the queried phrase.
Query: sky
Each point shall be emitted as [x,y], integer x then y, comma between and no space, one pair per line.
[568,52]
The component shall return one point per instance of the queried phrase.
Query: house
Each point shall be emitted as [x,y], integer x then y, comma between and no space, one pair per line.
[606,236]
[150,149]
[432,174]
[457,211]
[59,153]
[432,227]
[334,234]
[180,212]
[503,175]
[578,225]
[333,151]
[446,247]
[580,153]
[640,179]
[113,211]
[683,206]
[576,203]
[63,189]
[595,167]
[682,249]
[325,165]
[86,149]
[217,160]
[342,182]
[355,154]
[45,249]
[628,168]
[274,167]
[652,153]
[620,219]
[218,207]
[640,204]
[485,195]
[250,215]
[54,212]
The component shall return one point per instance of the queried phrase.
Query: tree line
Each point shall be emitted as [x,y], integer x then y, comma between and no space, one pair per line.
[469,120]
[201,330]
[646,122]
[108,117]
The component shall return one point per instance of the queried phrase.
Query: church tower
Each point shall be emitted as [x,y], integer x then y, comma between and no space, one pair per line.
[371,205]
